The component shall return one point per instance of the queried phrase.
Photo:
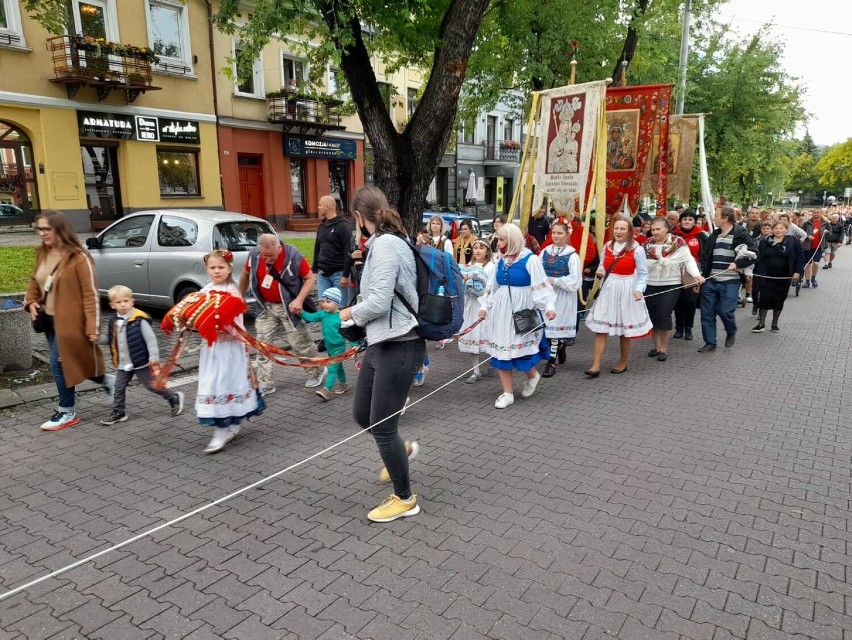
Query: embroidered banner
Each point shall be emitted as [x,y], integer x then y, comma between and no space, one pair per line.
[632,115]
[681,157]
[567,129]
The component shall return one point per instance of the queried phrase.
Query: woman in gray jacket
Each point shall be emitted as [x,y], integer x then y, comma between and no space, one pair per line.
[395,351]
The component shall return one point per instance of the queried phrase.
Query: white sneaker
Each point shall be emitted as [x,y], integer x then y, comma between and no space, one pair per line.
[474,377]
[530,385]
[749,299]
[109,385]
[268,391]
[220,438]
[60,420]
[317,380]
[420,376]
[505,400]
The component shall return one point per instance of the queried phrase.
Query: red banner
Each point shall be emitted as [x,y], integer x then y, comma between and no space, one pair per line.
[632,115]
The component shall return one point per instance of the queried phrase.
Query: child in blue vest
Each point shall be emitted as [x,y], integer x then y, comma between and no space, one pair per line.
[335,344]
[134,350]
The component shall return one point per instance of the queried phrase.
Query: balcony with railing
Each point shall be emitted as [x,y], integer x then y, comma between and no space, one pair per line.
[82,61]
[503,151]
[305,114]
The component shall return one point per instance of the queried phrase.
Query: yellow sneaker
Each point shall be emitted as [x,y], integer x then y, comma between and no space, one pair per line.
[412,449]
[393,508]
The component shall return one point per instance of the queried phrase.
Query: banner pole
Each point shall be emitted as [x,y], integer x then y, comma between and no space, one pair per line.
[527,156]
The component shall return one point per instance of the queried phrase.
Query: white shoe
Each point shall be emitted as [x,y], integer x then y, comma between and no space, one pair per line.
[220,438]
[268,391]
[749,299]
[505,400]
[530,385]
[317,380]
[474,377]
[420,377]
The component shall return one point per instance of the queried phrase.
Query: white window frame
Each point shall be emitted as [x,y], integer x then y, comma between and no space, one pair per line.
[289,57]
[184,62]
[12,36]
[343,95]
[256,72]
[110,17]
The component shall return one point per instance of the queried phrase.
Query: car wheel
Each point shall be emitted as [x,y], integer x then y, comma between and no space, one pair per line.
[185,290]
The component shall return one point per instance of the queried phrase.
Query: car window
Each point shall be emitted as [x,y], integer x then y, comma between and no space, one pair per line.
[239,236]
[132,232]
[176,232]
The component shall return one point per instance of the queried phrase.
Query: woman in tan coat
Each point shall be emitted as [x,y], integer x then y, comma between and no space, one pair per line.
[65,286]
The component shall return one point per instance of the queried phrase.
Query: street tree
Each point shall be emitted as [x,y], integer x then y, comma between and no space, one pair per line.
[835,167]
[755,109]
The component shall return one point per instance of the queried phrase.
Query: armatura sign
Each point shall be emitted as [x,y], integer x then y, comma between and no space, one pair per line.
[93,124]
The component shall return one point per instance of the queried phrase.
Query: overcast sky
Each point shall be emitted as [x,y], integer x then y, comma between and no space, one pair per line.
[818,37]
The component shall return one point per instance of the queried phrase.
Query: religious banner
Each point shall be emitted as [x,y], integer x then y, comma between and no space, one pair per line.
[567,130]
[683,131]
[632,116]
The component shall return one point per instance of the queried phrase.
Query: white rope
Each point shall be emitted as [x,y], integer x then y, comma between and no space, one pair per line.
[27,585]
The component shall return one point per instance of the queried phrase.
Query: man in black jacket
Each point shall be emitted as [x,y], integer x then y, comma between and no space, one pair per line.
[333,246]
[719,265]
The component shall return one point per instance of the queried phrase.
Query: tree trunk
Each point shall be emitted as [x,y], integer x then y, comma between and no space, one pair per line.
[405,163]
[630,43]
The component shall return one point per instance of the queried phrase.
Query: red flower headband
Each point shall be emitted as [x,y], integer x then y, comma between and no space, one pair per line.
[225,254]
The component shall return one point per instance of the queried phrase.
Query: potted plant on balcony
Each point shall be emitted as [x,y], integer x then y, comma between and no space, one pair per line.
[510,144]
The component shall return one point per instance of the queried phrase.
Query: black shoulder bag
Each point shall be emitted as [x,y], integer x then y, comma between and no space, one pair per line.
[525,320]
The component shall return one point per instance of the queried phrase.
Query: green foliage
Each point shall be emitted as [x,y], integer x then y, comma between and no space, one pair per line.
[835,167]
[51,14]
[755,109]
[804,175]
[16,266]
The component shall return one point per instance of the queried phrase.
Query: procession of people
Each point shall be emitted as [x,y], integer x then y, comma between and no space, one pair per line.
[522,308]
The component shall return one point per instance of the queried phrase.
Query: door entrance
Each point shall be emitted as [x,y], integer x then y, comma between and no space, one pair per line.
[251,185]
[103,188]
[19,202]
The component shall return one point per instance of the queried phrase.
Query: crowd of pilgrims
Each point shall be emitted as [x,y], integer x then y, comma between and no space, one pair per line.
[653,272]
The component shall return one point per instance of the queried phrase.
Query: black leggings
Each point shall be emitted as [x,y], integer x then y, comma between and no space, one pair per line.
[388,369]
[685,309]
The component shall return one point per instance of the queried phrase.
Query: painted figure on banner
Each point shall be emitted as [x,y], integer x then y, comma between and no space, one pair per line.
[622,131]
[563,150]
[674,147]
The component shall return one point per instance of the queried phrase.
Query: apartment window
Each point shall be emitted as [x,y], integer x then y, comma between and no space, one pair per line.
[96,18]
[413,101]
[252,85]
[168,35]
[337,83]
[294,73]
[466,135]
[178,173]
[11,33]
[508,129]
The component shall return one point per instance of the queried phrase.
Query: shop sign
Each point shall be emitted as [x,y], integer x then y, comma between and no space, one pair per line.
[312,147]
[105,125]
[147,129]
[183,131]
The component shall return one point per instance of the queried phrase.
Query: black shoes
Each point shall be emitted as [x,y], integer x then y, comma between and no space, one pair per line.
[760,328]
[678,334]
[687,334]
[549,370]
[707,348]
[730,340]
[653,353]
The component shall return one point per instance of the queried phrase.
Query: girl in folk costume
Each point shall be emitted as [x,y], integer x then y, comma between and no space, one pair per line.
[437,234]
[518,284]
[620,306]
[562,267]
[476,275]
[227,387]
[463,245]
[668,257]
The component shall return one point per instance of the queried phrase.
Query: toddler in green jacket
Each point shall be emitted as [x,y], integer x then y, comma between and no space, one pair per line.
[335,344]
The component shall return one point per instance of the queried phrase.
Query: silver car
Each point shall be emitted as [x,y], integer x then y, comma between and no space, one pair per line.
[159,254]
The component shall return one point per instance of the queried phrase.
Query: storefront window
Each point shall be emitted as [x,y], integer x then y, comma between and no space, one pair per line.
[100,172]
[178,172]
[297,184]
[338,182]
[18,191]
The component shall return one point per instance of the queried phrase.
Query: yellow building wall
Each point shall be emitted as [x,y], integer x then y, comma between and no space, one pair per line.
[30,72]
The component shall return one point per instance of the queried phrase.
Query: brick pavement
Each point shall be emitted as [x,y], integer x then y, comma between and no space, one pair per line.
[630,506]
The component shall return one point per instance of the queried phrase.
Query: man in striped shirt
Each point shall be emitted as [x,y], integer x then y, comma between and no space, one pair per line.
[720,291]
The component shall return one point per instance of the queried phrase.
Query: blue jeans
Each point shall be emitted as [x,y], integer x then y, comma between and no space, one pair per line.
[66,395]
[326,282]
[718,298]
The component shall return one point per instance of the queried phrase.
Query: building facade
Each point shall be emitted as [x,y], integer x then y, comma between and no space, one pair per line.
[98,128]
